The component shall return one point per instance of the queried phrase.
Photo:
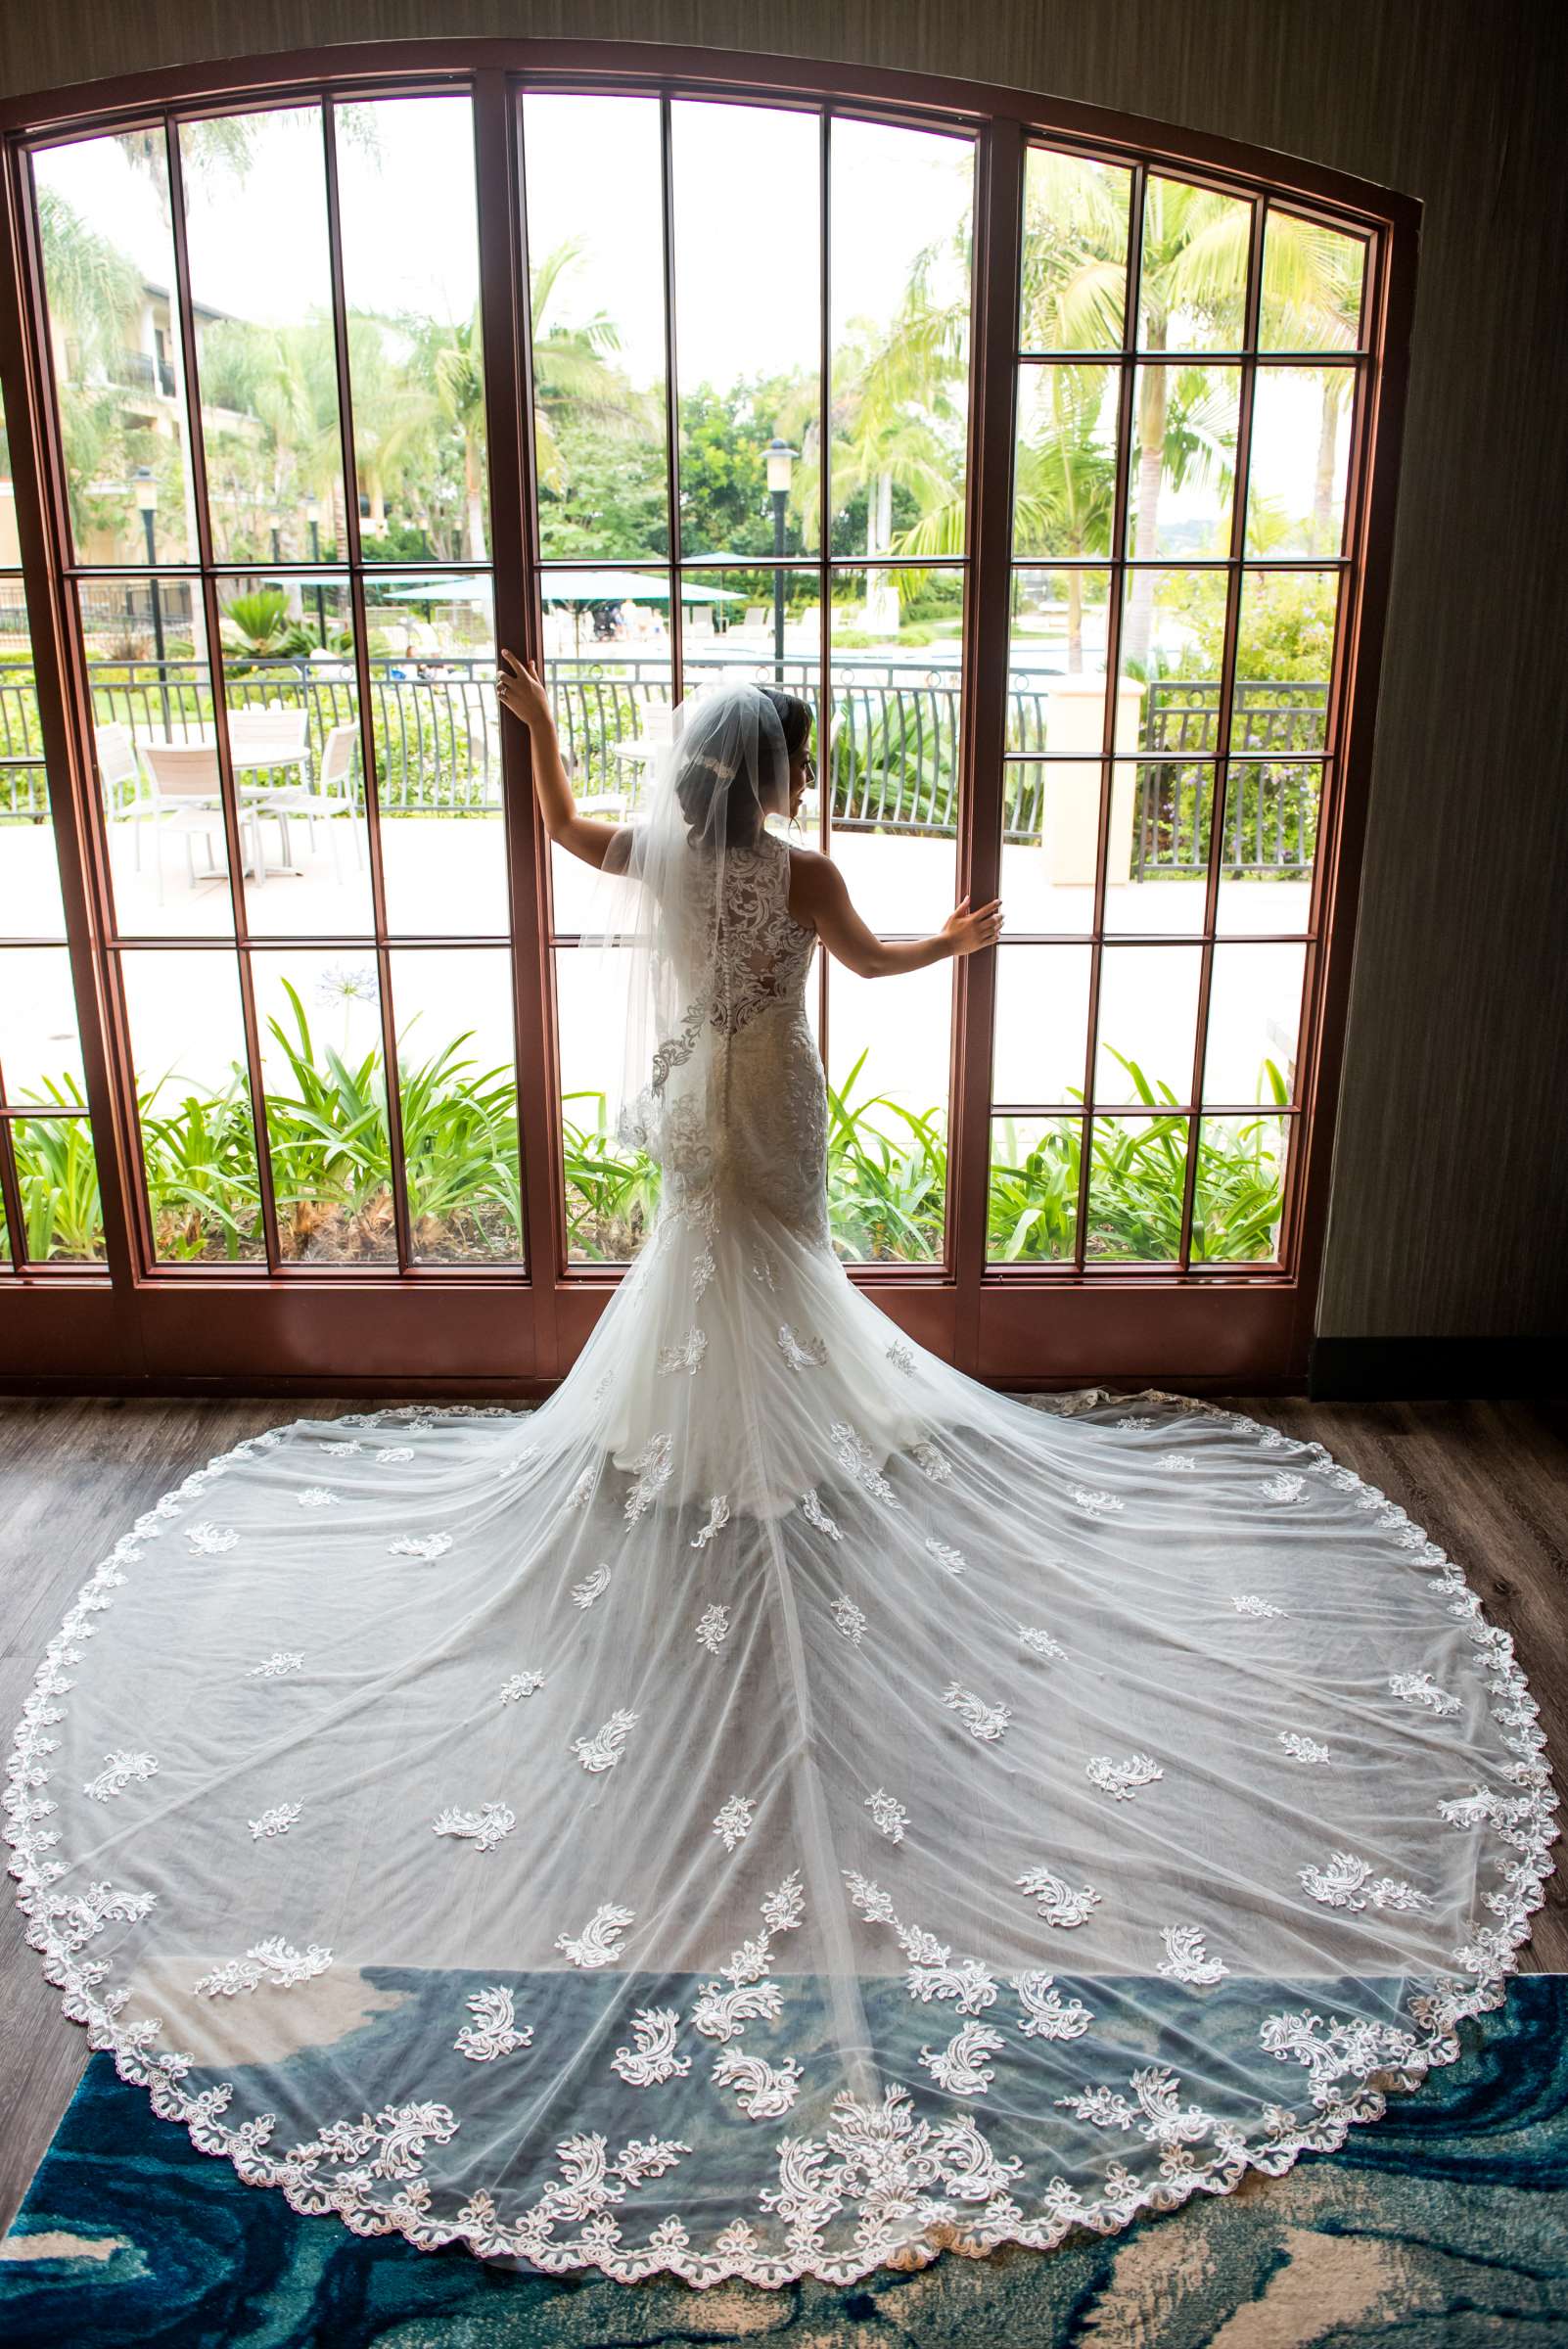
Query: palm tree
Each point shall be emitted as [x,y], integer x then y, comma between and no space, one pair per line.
[572,373]
[1194,261]
[1312,278]
[896,421]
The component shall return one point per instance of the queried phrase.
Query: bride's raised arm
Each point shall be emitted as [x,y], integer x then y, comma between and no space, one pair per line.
[818,895]
[521,690]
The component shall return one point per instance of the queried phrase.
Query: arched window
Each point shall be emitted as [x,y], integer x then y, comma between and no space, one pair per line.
[1049,454]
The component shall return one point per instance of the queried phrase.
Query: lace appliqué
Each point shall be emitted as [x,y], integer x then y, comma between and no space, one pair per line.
[850,1619]
[734,1822]
[1047,2013]
[1058,1903]
[857,1459]
[1419,1688]
[1249,1604]
[801,1354]
[520,1685]
[713,1629]
[655,1464]
[687,1356]
[1303,1749]
[653,2060]
[1348,1882]
[210,1540]
[275,1822]
[120,1770]
[984,1722]
[718,1519]
[495,2030]
[593,1586]
[599,1943]
[274,1667]
[1186,1957]
[428,1547]
[484,1827]
[605,1748]
[887,1817]
[816,1514]
[1121,1781]
[274,1961]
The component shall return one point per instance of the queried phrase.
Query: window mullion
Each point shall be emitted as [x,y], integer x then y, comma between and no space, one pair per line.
[509,439]
[997,244]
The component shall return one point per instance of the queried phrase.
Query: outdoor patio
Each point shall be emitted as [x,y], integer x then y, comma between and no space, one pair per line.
[445,879]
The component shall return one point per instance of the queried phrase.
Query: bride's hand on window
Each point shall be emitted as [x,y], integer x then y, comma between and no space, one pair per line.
[969,928]
[521,689]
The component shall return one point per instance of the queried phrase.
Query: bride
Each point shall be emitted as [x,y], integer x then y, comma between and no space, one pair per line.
[779,1808]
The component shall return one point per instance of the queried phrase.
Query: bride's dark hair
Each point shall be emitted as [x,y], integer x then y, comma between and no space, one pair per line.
[701,778]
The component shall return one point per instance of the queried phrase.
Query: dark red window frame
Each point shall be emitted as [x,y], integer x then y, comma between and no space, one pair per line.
[310,1329]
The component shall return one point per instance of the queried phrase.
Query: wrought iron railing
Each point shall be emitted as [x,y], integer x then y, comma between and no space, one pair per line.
[892,756]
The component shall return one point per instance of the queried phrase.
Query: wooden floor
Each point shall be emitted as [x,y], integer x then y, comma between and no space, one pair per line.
[1489,1480]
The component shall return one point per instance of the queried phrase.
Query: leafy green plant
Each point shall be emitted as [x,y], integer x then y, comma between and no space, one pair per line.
[261,622]
[57,1175]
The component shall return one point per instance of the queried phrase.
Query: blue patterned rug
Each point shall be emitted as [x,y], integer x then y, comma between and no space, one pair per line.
[1444,2225]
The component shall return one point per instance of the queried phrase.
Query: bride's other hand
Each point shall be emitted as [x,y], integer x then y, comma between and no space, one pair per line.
[521,689]
[971,928]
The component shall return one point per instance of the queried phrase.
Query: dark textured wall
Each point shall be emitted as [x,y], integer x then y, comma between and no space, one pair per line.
[1450,1208]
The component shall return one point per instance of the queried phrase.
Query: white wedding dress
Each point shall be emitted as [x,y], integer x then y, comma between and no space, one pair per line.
[778,1807]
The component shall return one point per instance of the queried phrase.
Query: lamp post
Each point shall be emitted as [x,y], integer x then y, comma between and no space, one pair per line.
[780,464]
[145,488]
[313,518]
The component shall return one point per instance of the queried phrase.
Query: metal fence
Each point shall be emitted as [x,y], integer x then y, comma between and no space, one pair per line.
[892,756]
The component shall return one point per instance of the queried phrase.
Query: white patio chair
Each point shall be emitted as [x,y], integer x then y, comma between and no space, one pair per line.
[332,794]
[117,768]
[184,795]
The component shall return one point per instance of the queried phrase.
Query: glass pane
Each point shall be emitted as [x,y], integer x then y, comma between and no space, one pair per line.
[1236,1195]
[748,339]
[30,903]
[1052,813]
[1041,1032]
[1301,433]
[266,364]
[611,1191]
[613,708]
[1271,818]
[887,1066]
[1074,252]
[1284,659]
[155,747]
[198,1138]
[40,1049]
[7,1264]
[293,703]
[410,271]
[57,1175]
[1172,638]
[1137,1167]
[899,220]
[596,275]
[1254,1024]
[436,725]
[1182,474]
[1162,814]
[319,1016]
[1031,1213]
[1314,282]
[761,627]
[1056,659]
[457,1085]
[104,223]
[1148,1021]
[1192,287]
[896,730]
[1063,479]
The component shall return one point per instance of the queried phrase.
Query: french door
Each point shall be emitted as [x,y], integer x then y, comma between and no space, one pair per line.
[1048,456]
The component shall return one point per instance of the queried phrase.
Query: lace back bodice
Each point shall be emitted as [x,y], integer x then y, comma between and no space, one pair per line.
[764,951]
